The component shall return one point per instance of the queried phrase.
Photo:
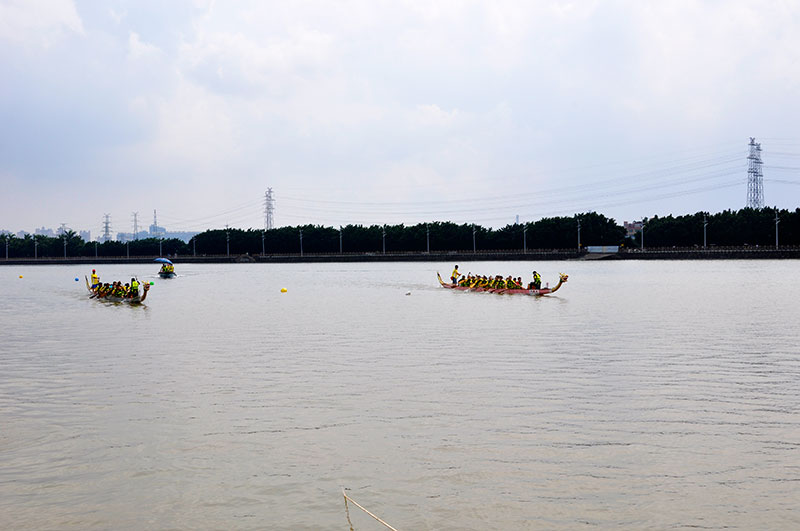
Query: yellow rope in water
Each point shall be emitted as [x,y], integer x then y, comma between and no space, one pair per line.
[346,497]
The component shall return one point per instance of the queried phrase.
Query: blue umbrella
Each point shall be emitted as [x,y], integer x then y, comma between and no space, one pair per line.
[162,261]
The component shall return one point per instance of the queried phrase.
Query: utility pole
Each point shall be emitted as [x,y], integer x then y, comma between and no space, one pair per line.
[301,242]
[35,248]
[65,244]
[777,220]
[755,179]
[127,250]
[269,210]
[705,224]
[340,239]
[262,243]
[428,237]
[95,248]
[6,246]
[227,241]
[160,239]
[525,239]
[579,234]
[474,247]
[135,226]
[384,239]
[194,245]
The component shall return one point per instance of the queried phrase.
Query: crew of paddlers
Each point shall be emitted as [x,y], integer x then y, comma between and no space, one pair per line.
[116,289]
[494,282]
[167,268]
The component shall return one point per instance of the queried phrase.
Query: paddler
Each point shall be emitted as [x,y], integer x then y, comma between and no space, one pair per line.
[537,280]
[95,280]
[134,288]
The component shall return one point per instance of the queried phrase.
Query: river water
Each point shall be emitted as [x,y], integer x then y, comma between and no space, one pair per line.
[641,395]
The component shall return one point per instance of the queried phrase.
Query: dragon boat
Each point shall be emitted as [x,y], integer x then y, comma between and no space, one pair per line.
[562,278]
[166,274]
[108,298]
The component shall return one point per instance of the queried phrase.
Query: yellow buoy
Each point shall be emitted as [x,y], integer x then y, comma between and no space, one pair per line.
[283,290]
[20,276]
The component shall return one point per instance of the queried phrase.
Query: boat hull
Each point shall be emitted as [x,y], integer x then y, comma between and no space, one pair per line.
[166,275]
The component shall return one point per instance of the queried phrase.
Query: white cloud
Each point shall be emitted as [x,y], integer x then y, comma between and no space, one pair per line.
[138,49]
[38,23]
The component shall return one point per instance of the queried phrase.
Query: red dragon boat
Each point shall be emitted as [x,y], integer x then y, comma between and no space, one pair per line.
[533,292]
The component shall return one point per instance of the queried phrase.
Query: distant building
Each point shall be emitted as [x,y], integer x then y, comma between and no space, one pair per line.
[86,235]
[632,228]
[44,232]
[157,232]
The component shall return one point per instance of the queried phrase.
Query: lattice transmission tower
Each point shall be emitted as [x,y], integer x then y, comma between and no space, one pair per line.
[106,227]
[755,179]
[135,225]
[269,210]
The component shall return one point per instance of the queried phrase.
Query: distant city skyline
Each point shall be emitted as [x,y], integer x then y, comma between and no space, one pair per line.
[86,235]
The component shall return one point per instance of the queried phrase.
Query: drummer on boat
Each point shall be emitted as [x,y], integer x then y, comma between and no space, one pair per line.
[134,290]
[95,279]
[537,281]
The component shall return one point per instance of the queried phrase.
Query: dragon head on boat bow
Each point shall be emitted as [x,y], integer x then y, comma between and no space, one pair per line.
[561,279]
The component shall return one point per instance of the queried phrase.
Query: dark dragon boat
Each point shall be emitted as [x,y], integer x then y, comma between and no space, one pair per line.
[93,294]
[562,278]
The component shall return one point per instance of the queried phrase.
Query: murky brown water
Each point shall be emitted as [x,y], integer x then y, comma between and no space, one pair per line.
[643,395]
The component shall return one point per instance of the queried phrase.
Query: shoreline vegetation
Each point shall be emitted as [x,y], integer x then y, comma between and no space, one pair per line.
[747,233]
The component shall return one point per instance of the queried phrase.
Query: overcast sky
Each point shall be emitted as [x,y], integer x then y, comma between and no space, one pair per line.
[397,111]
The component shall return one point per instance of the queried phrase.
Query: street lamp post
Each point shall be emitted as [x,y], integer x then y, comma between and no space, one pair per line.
[340,239]
[262,244]
[474,247]
[383,237]
[705,224]
[301,242]
[642,235]
[525,239]
[428,238]
[777,220]
[35,248]
[579,234]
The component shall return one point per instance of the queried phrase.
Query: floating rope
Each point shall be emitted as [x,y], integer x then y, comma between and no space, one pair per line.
[346,497]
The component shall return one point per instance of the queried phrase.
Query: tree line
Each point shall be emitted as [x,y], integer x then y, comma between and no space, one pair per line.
[728,228]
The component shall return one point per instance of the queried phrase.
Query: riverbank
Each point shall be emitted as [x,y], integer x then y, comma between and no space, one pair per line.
[456,256]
